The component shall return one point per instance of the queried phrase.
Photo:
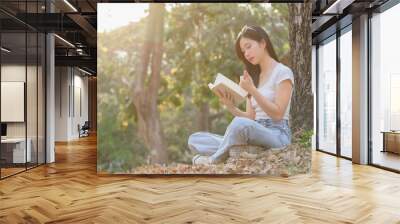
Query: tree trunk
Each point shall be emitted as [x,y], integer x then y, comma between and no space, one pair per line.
[204,114]
[301,111]
[146,86]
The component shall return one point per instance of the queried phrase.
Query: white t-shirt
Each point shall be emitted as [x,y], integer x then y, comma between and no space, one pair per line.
[279,73]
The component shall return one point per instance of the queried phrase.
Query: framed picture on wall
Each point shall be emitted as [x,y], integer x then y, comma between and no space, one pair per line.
[12,101]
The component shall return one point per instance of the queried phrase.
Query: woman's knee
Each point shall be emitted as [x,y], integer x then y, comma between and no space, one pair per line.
[193,137]
[196,138]
[191,141]
[239,123]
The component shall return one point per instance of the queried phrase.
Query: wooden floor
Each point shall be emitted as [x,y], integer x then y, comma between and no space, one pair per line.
[69,191]
[5,172]
[387,159]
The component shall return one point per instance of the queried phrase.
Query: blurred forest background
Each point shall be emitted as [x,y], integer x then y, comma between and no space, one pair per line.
[153,76]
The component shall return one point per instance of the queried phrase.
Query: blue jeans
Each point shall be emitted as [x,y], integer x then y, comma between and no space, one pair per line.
[241,131]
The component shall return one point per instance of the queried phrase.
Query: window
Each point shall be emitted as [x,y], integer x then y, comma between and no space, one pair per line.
[346,93]
[385,84]
[327,96]
[22,65]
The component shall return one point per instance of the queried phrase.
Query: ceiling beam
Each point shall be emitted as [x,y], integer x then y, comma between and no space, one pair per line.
[86,26]
[337,7]
[82,61]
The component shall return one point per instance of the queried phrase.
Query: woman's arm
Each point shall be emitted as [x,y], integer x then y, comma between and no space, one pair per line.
[227,100]
[276,110]
[250,110]
[250,113]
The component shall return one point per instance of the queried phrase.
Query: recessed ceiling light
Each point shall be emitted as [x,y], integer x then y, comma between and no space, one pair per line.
[338,6]
[84,71]
[64,40]
[70,5]
[5,50]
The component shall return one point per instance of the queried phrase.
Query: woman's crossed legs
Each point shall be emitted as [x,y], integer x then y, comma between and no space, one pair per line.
[241,131]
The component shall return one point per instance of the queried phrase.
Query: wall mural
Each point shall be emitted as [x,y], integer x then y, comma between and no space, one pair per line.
[157,113]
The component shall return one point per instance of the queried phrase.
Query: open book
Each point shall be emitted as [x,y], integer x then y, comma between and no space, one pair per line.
[225,84]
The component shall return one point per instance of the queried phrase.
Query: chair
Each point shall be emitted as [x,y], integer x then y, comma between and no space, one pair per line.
[84,130]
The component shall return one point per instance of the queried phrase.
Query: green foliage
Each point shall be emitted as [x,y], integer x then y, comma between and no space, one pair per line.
[199,42]
[305,138]
[116,140]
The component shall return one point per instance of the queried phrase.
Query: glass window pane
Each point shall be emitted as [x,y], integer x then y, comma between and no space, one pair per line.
[23,87]
[327,97]
[14,153]
[41,99]
[385,87]
[346,94]
[31,96]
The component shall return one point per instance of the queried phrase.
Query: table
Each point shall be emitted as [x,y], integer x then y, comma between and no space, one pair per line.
[13,150]
[391,141]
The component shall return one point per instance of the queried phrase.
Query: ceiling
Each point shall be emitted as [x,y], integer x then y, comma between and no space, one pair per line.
[73,21]
[328,16]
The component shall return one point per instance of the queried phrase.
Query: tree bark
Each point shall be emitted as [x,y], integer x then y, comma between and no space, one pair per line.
[146,86]
[301,111]
[204,117]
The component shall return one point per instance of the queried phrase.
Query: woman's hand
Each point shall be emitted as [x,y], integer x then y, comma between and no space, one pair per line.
[225,98]
[246,82]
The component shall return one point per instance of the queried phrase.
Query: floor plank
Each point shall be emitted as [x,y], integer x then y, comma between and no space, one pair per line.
[70,191]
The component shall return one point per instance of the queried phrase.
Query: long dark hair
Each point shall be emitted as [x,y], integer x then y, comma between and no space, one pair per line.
[258,34]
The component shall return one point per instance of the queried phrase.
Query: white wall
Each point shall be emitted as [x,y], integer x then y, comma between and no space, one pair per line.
[10,73]
[16,73]
[61,103]
[70,83]
[80,100]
